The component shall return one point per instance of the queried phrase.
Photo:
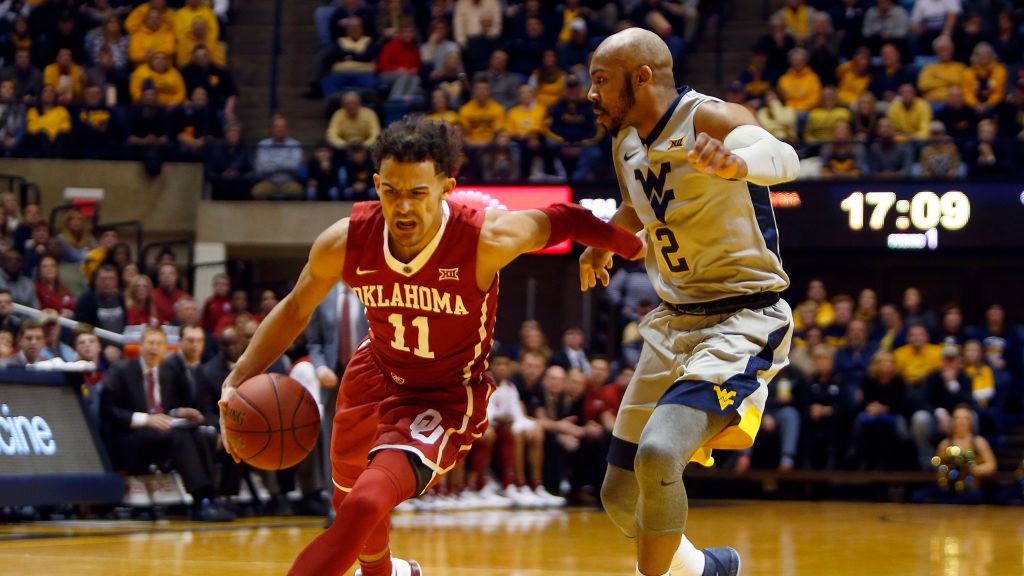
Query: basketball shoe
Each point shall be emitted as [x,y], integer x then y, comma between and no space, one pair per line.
[400,567]
[721,562]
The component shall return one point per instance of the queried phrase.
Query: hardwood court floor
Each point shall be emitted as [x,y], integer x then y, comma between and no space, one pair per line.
[777,539]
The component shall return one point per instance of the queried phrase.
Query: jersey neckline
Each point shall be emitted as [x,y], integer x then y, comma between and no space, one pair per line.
[417,263]
[663,121]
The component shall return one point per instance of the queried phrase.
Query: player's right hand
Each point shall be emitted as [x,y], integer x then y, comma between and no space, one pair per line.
[594,265]
[226,393]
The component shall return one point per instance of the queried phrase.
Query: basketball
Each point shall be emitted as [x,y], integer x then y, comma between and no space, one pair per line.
[272,422]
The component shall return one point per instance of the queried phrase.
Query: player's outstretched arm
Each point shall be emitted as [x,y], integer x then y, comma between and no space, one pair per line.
[287,320]
[507,235]
[732,145]
[595,262]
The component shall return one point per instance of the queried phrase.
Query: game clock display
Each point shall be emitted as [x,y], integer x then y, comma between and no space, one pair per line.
[901,216]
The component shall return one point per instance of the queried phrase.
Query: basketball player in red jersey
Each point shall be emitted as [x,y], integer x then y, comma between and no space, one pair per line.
[414,396]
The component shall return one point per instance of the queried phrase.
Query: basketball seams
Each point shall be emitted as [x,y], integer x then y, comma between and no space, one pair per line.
[304,428]
[257,410]
[280,418]
[295,413]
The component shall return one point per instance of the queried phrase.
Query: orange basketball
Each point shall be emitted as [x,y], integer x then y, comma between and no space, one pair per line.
[272,422]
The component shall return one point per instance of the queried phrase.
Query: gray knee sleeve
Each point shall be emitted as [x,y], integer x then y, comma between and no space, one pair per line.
[671,437]
[659,473]
[618,495]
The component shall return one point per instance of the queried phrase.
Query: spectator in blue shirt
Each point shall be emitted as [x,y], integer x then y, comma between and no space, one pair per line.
[278,162]
[572,126]
[853,359]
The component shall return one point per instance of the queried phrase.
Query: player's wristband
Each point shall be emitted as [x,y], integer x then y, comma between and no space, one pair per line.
[572,221]
[769,160]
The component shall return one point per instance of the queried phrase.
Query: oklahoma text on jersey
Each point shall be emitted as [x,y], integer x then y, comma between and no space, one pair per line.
[412,297]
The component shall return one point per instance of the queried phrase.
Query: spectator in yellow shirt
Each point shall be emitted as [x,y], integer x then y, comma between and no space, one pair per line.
[822,120]
[910,115]
[440,108]
[353,123]
[193,9]
[481,117]
[137,18]
[983,380]
[151,37]
[66,76]
[527,117]
[548,80]
[985,81]
[937,78]
[854,76]
[170,86]
[798,19]
[200,35]
[917,358]
[818,296]
[525,123]
[800,86]
[48,124]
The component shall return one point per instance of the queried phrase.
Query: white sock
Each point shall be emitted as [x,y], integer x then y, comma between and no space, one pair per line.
[688,561]
[639,573]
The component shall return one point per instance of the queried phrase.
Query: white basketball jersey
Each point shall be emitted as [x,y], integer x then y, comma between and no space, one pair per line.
[708,238]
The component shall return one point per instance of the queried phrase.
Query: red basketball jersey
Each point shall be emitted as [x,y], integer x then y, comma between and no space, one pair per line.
[430,326]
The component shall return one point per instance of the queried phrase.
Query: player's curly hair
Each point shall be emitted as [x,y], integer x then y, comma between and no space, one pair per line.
[417,139]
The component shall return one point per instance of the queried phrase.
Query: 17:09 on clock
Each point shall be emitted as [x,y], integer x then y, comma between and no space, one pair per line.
[924,211]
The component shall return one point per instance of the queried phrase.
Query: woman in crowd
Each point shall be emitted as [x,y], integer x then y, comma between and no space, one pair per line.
[139,302]
[112,36]
[76,236]
[441,108]
[48,124]
[915,312]
[51,293]
[963,461]
[548,80]
[867,308]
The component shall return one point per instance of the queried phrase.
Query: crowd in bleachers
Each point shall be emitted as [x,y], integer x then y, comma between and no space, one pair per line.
[114,79]
[511,75]
[891,89]
[871,386]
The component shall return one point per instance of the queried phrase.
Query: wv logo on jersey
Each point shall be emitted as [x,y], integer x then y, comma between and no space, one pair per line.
[654,189]
[725,397]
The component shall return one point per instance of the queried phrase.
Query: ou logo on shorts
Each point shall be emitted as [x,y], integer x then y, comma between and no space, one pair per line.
[427,427]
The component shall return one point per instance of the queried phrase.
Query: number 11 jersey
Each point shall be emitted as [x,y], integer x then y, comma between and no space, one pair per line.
[707,238]
[430,325]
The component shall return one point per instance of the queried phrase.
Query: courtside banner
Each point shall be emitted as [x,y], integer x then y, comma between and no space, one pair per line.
[515,198]
[50,453]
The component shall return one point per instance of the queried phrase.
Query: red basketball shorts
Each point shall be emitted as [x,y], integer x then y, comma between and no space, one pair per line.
[437,426]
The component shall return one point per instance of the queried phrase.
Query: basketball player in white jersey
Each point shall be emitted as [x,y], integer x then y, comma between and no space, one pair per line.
[684,161]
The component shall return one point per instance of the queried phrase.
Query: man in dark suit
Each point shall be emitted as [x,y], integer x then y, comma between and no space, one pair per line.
[188,359]
[148,417]
[209,378]
[334,330]
[571,354]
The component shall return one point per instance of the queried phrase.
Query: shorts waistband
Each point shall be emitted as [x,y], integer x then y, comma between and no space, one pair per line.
[727,305]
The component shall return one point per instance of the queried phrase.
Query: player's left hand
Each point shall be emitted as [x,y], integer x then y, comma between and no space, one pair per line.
[710,156]
[227,392]
[594,265]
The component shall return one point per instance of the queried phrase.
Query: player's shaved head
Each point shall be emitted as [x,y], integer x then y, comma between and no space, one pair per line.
[632,48]
[631,79]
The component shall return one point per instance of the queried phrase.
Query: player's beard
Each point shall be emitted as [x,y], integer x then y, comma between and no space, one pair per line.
[627,99]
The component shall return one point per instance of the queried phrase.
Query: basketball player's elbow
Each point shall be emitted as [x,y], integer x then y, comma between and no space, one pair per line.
[769,160]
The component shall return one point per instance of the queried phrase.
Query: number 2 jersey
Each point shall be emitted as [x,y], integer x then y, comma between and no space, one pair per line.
[707,238]
[430,325]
